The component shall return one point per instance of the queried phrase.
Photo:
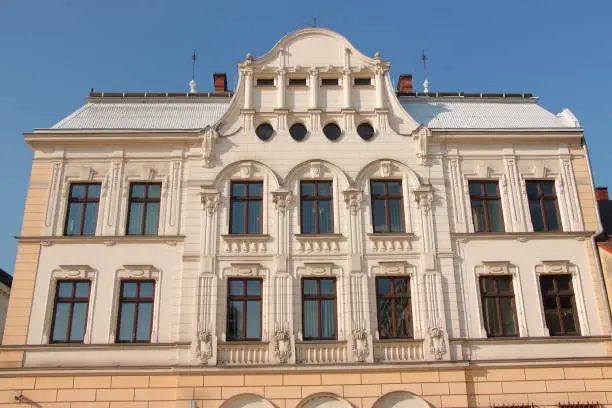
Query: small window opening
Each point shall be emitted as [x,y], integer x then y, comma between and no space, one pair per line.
[329,81]
[364,81]
[265,81]
[297,81]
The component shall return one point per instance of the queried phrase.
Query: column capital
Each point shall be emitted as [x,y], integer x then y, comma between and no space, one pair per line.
[353,199]
[282,200]
[423,196]
[211,199]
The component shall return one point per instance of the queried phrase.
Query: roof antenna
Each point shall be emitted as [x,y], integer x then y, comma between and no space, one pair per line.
[426,82]
[193,83]
[313,23]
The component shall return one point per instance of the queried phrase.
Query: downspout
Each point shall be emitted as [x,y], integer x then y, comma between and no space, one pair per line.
[602,287]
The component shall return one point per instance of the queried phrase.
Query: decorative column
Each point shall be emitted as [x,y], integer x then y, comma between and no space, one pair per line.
[346,89]
[436,336]
[248,89]
[314,88]
[353,199]
[378,81]
[282,344]
[204,344]
[280,88]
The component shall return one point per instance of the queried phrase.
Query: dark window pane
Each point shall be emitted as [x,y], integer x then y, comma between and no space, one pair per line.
[154,190]
[378,188]
[553,323]
[563,283]
[504,284]
[495,217]
[383,285]
[236,287]
[238,216]
[380,217]
[135,221]
[253,319]
[138,190]
[548,187]
[152,219]
[328,319]
[308,189]
[478,216]
[65,289]
[146,289]
[253,287]
[308,217]
[130,290]
[255,210]
[507,314]
[91,215]
[491,316]
[75,214]
[547,284]
[532,189]
[475,188]
[401,286]
[78,190]
[327,286]
[395,188]
[60,326]
[310,319]
[79,319]
[255,190]
[324,189]
[126,323]
[395,215]
[536,215]
[385,325]
[145,312]
[310,286]
[325,217]
[236,322]
[550,207]
[82,289]
[239,190]
[402,317]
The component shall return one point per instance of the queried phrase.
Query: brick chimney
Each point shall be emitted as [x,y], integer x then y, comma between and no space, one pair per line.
[601,193]
[404,83]
[220,81]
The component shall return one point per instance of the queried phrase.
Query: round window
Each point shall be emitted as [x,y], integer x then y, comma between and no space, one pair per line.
[264,131]
[332,131]
[298,132]
[366,131]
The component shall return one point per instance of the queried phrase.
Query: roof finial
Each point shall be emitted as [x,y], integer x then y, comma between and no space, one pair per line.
[426,82]
[193,83]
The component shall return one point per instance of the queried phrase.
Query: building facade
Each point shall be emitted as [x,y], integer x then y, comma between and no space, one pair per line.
[316,238]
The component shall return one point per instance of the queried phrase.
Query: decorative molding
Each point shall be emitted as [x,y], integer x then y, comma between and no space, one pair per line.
[211,200]
[246,170]
[282,200]
[282,343]
[318,243]
[246,243]
[359,345]
[391,242]
[318,268]
[204,347]
[394,268]
[244,269]
[315,169]
[386,168]
[208,139]
[353,198]
[420,136]
[140,271]
[437,344]
[424,198]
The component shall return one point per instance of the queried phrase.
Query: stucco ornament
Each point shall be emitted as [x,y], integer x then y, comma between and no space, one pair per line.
[360,345]
[282,200]
[437,345]
[282,345]
[420,135]
[211,201]
[353,198]
[204,349]
[424,199]
[208,146]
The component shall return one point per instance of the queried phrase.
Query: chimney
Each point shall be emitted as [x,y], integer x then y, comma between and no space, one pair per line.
[404,83]
[220,81]
[601,193]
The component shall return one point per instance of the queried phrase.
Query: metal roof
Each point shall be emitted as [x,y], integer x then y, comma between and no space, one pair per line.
[482,113]
[141,114]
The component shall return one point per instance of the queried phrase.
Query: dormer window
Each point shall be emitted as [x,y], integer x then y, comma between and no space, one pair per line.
[363,81]
[297,81]
[329,81]
[265,81]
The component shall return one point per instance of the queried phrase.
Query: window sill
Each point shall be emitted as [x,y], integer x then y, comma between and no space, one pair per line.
[246,243]
[254,237]
[399,242]
[229,343]
[523,236]
[318,242]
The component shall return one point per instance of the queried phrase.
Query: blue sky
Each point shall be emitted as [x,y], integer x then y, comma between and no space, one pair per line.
[53,51]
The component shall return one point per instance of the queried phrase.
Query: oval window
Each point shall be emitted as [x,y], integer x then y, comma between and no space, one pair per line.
[365,131]
[332,131]
[298,132]
[264,131]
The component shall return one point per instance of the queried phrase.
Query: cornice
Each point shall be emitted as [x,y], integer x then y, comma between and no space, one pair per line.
[521,236]
[108,240]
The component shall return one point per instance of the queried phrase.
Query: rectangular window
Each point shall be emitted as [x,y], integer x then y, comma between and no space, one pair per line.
[82,215]
[498,306]
[363,81]
[394,308]
[297,81]
[329,81]
[316,207]
[319,308]
[143,212]
[244,309]
[486,206]
[387,206]
[265,81]
[246,211]
[543,205]
[70,311]
[559,305]
[135,311]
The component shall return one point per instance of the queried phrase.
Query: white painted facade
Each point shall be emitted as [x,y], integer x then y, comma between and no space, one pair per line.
[194,254]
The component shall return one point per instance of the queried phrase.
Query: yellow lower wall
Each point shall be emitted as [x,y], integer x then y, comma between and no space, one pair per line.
[441,387]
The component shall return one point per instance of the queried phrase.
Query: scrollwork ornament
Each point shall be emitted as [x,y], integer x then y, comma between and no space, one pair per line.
[424,200]
[437,345]
[360,345]
[211,202]
[204,348]
[208,146]
[282,345]
[282,200]
[353,200]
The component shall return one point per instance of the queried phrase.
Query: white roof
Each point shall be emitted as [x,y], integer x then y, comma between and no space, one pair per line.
[193,114]
[480,113]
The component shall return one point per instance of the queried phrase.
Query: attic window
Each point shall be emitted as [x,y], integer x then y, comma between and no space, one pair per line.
[363,81]
[265,81]
[297,81]
[329,81]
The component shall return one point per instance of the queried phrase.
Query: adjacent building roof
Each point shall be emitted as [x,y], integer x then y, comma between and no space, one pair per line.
[485,113]
[6,278]
[147,112]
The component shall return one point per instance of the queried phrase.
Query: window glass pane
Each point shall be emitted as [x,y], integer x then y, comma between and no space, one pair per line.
[385,326]
[91,215]
[383,285]
[310,319]
[62,311]
[536,215]
[135,221]
[495,217]
[563,282]
[394,188]
[328,319]
[235,320]
[129,290]
[478,216]
[504,284]
[75,213]
[380,218]
[475,188]
[253,319]
[551,215]
[126,324]
[546,284]
[378,188]
[65,289]
[93,191]
[146,289]
[152,219]
[310,287]
[552,322]
[307,189]
[324,189]
[532,189]
[490,189]
[327,286]
[255,190]
[82,289]
[325,217]
[308,218]
[238,216]
[78,190]
[567,311]
[492,320]
[507,313]
[253,287]
[154,190]
[395,214]
[239,190]
[401,286]
[254,217]
[488,284]
[402,317]
[548,187]
[79,317]
[145,312]
[236,287]
[138,190]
